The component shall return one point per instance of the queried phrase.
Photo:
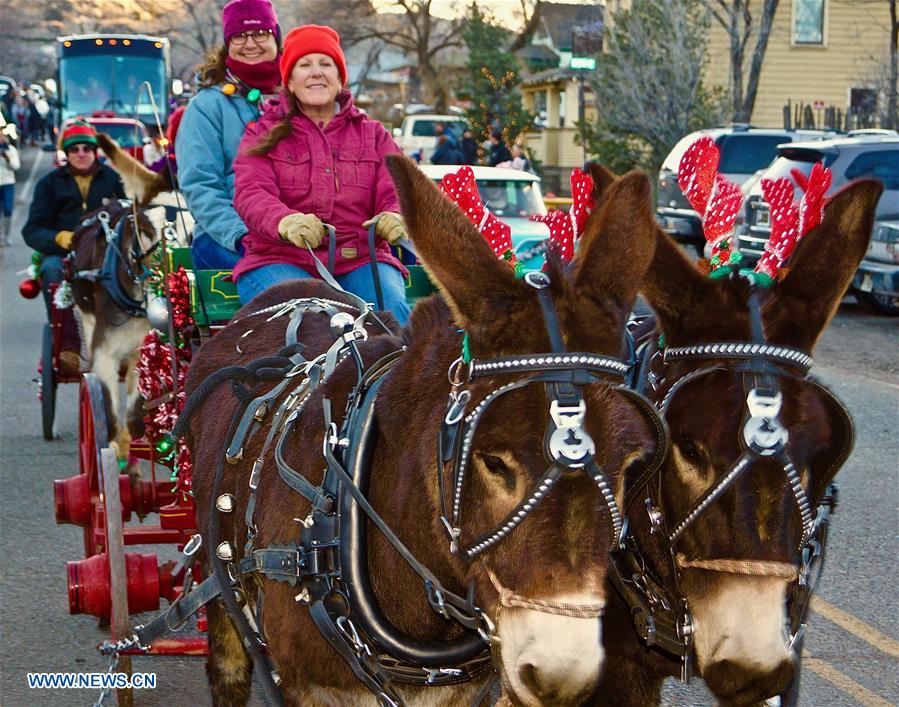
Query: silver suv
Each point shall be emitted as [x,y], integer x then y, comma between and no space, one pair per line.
[744,151]
[848,158]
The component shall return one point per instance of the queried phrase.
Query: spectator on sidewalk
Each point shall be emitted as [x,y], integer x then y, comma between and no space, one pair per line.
[468,146]
[9,165]
[498,150]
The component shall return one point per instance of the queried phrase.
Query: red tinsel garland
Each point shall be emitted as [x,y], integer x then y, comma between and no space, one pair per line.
[154,378]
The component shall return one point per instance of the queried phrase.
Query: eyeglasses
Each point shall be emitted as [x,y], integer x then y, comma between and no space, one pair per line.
[257,35]
[80,148]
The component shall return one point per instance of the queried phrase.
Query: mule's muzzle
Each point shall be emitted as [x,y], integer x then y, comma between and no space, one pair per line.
[736,684]
[549,660]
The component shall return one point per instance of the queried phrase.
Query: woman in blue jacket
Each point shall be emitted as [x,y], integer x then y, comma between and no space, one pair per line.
[233,85]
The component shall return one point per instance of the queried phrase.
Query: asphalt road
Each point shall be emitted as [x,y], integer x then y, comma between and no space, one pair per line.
[852,643]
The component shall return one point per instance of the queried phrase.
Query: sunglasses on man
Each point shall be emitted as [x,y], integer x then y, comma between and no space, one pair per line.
[81,148]
[257,35]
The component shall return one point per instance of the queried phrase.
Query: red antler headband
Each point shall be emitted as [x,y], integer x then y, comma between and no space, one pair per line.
[461,188]
[566,228]
[717,200]
[789,221]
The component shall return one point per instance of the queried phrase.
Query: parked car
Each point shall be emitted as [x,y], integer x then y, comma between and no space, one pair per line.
[131,134]
[876,282]
[744,151]
[512,195]
[847,157]
[418,132]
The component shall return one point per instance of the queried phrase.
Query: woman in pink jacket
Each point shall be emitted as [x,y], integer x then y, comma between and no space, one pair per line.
[314,158]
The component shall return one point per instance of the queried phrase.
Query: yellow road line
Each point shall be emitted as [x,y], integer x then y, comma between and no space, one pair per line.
[856,627]
[855,690]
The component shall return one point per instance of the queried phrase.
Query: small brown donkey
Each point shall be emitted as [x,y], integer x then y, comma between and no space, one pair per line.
[735,563]
[557,557]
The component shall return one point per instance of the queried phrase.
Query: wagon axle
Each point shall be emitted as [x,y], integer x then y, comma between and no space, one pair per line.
[147,581]
[74,501]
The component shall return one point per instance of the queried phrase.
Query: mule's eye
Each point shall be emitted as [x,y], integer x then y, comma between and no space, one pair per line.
[690,451]
[494,465]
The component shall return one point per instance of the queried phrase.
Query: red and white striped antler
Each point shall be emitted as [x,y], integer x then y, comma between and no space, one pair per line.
[789,221]
[717,200]
[567,228]
[461,188]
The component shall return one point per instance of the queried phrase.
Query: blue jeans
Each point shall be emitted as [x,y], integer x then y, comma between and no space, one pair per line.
[7,198]
[209,255]
[358,281]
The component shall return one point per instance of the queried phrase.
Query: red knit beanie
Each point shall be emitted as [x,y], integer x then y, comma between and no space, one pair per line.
[80,132]
[311,39]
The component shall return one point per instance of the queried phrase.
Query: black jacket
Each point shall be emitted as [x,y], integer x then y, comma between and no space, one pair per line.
[57,205]
[499,153]
[469,148]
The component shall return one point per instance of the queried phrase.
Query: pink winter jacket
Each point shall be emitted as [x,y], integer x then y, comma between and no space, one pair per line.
[336,172]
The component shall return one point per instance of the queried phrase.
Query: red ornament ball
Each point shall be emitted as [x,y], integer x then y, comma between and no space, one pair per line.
[29,289]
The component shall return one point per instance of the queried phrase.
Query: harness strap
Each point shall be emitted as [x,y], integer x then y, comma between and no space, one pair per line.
[355,653]
[255,412]
[736,470]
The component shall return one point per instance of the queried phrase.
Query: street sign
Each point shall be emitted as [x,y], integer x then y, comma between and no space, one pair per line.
[587,63]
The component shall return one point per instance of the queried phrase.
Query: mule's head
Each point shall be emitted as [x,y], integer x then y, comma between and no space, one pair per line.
[135,245]
[739,611]
[542,581]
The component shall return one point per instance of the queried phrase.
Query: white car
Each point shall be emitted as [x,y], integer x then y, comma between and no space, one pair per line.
[418,132]
[512,195]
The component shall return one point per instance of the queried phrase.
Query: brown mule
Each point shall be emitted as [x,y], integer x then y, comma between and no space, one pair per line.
[556,558]
[735,564]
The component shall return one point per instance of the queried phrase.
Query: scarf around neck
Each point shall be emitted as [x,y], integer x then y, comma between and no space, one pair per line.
[265,75]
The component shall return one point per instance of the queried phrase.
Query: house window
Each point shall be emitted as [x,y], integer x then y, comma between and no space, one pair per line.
[808,21]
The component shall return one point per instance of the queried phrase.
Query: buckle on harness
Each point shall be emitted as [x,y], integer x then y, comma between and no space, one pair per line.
[569,443]
[763,432]
[348,629]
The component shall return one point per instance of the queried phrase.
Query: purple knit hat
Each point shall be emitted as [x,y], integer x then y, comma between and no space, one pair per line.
[246,15]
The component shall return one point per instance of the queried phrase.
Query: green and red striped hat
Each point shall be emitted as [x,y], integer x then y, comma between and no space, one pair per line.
[79,132]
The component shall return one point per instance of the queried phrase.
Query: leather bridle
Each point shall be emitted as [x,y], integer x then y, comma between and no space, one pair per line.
[568,448]
[661,614]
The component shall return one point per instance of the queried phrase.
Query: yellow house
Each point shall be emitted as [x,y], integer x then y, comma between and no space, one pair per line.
[821,53]
[555,94]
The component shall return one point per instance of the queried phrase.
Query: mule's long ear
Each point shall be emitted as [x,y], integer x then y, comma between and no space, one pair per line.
[685,300]
[477,287]
[603,179]
[618,244]
[823,265]
[141,184]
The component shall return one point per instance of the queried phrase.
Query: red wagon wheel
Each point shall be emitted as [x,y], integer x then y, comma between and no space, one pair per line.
[93,437]
[49,382]
[115,555]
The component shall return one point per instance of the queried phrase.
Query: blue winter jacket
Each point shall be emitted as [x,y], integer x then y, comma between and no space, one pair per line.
[206,145]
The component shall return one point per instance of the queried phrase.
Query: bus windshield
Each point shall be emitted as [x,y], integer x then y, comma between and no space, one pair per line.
[110,82]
